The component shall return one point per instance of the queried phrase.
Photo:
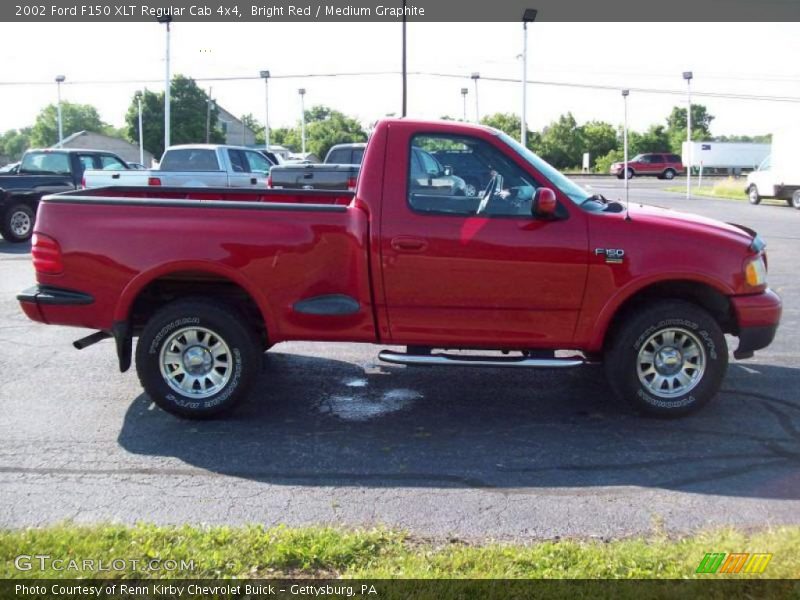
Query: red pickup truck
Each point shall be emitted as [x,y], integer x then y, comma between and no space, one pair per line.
[513,276]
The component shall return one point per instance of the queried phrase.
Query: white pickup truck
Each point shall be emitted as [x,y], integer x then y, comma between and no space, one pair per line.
[779,175]
[192,165]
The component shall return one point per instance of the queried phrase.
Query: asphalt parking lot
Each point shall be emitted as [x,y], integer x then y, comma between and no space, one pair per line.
[332,436]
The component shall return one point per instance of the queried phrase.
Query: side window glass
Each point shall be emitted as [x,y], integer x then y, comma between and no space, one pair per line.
[482,181]
[238,162]
[257,163]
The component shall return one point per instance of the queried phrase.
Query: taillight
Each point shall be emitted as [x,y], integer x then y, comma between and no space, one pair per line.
[153,181]
[351,184]
[269,181]
[46,255]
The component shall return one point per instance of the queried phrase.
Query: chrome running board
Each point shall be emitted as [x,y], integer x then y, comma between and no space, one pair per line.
[401,358]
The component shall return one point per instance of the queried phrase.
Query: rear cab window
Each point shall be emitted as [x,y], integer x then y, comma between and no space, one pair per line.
[190,159]
[46,163]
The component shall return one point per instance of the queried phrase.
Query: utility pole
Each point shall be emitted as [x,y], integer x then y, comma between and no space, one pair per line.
[464,92]
[475,76]
[141,133]
[687,75]
[166,20]
[210,105]
[405,69]
[529,16]
[265,76]
[302,92]
[59,80]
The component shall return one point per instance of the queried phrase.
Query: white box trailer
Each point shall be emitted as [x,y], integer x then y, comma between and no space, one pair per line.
[734,156]
[779,176]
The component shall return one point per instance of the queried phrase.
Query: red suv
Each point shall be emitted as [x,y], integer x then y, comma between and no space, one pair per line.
[664,166]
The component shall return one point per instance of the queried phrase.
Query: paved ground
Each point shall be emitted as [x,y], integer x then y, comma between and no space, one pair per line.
[332,437]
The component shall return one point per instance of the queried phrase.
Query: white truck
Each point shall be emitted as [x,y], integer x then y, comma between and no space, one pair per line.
[778,176]
[731,156]
[192,165]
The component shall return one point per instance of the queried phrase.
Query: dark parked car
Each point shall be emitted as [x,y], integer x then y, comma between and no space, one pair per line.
[662,165]
[43,172]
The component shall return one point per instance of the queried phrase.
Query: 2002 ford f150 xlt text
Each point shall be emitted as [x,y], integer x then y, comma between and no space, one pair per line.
[208,279]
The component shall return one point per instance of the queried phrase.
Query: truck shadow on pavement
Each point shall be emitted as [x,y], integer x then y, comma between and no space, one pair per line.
[322,422]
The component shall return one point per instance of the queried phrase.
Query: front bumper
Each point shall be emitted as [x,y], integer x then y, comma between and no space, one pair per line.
[757,316]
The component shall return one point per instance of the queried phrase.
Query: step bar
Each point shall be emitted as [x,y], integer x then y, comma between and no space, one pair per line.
[401,358]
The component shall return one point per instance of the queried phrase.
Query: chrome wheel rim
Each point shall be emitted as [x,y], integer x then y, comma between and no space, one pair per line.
[20,223]
[753,195]
[671,362]
[669,174]
[196,362]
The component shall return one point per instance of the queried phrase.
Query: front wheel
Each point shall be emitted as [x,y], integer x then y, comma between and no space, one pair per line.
[667,360]
[196,358]
[796,199]
[17,224]
[752,195]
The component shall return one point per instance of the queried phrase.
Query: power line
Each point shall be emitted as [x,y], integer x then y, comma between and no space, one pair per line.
[566,84]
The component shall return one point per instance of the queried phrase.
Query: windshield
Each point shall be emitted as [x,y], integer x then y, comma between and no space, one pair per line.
[575,192]
[764,166]
[45,162]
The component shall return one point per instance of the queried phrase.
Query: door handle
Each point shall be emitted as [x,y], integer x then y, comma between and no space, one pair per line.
[115,176]
[253,180]
[409,244]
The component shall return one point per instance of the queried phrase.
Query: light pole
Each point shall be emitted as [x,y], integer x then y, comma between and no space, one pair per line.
[166,20]
[687,75]
[625,141]
[475,76]
[404,66]
[464,92]
[265,76]
[141,133]
[302,92]
[210,105]
[529,16]
[59,80]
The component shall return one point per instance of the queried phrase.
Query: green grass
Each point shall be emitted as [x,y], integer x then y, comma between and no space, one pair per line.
[728,189]
[254,551]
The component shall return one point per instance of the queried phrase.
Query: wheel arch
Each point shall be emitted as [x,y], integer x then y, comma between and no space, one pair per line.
[710,296]
[191,278]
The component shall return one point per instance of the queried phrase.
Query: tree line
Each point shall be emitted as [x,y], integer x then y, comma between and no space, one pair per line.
[195,118]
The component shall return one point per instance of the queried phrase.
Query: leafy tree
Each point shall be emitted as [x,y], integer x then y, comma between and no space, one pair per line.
[508,123]
[74,118]
[14,142]
[676,125]
[188,110]
[325,127]
[562,142]
[599,138]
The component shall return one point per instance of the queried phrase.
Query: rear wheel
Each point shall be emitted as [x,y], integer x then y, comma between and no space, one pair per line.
[752,195]
[197,359]
[667,360]
[668,174]
[17,224]
[796,199]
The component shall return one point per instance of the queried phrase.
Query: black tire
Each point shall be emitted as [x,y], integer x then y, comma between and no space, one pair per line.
[752,195]
[695,331]
[17,224]
[668,174]
[631,174]
[235,364]
[795,201]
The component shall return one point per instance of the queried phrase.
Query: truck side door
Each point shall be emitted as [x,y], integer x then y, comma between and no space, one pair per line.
[239,171]
[258,167]
[476,271]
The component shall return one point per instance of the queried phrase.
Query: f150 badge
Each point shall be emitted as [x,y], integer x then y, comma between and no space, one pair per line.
[613,255]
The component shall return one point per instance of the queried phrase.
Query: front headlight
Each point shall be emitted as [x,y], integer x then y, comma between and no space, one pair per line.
[755,272]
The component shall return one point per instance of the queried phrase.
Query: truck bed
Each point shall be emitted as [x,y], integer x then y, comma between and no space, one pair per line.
[290,251]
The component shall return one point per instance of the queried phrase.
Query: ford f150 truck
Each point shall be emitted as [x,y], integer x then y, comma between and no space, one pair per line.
[43,172]
[532,272]
[193,165]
